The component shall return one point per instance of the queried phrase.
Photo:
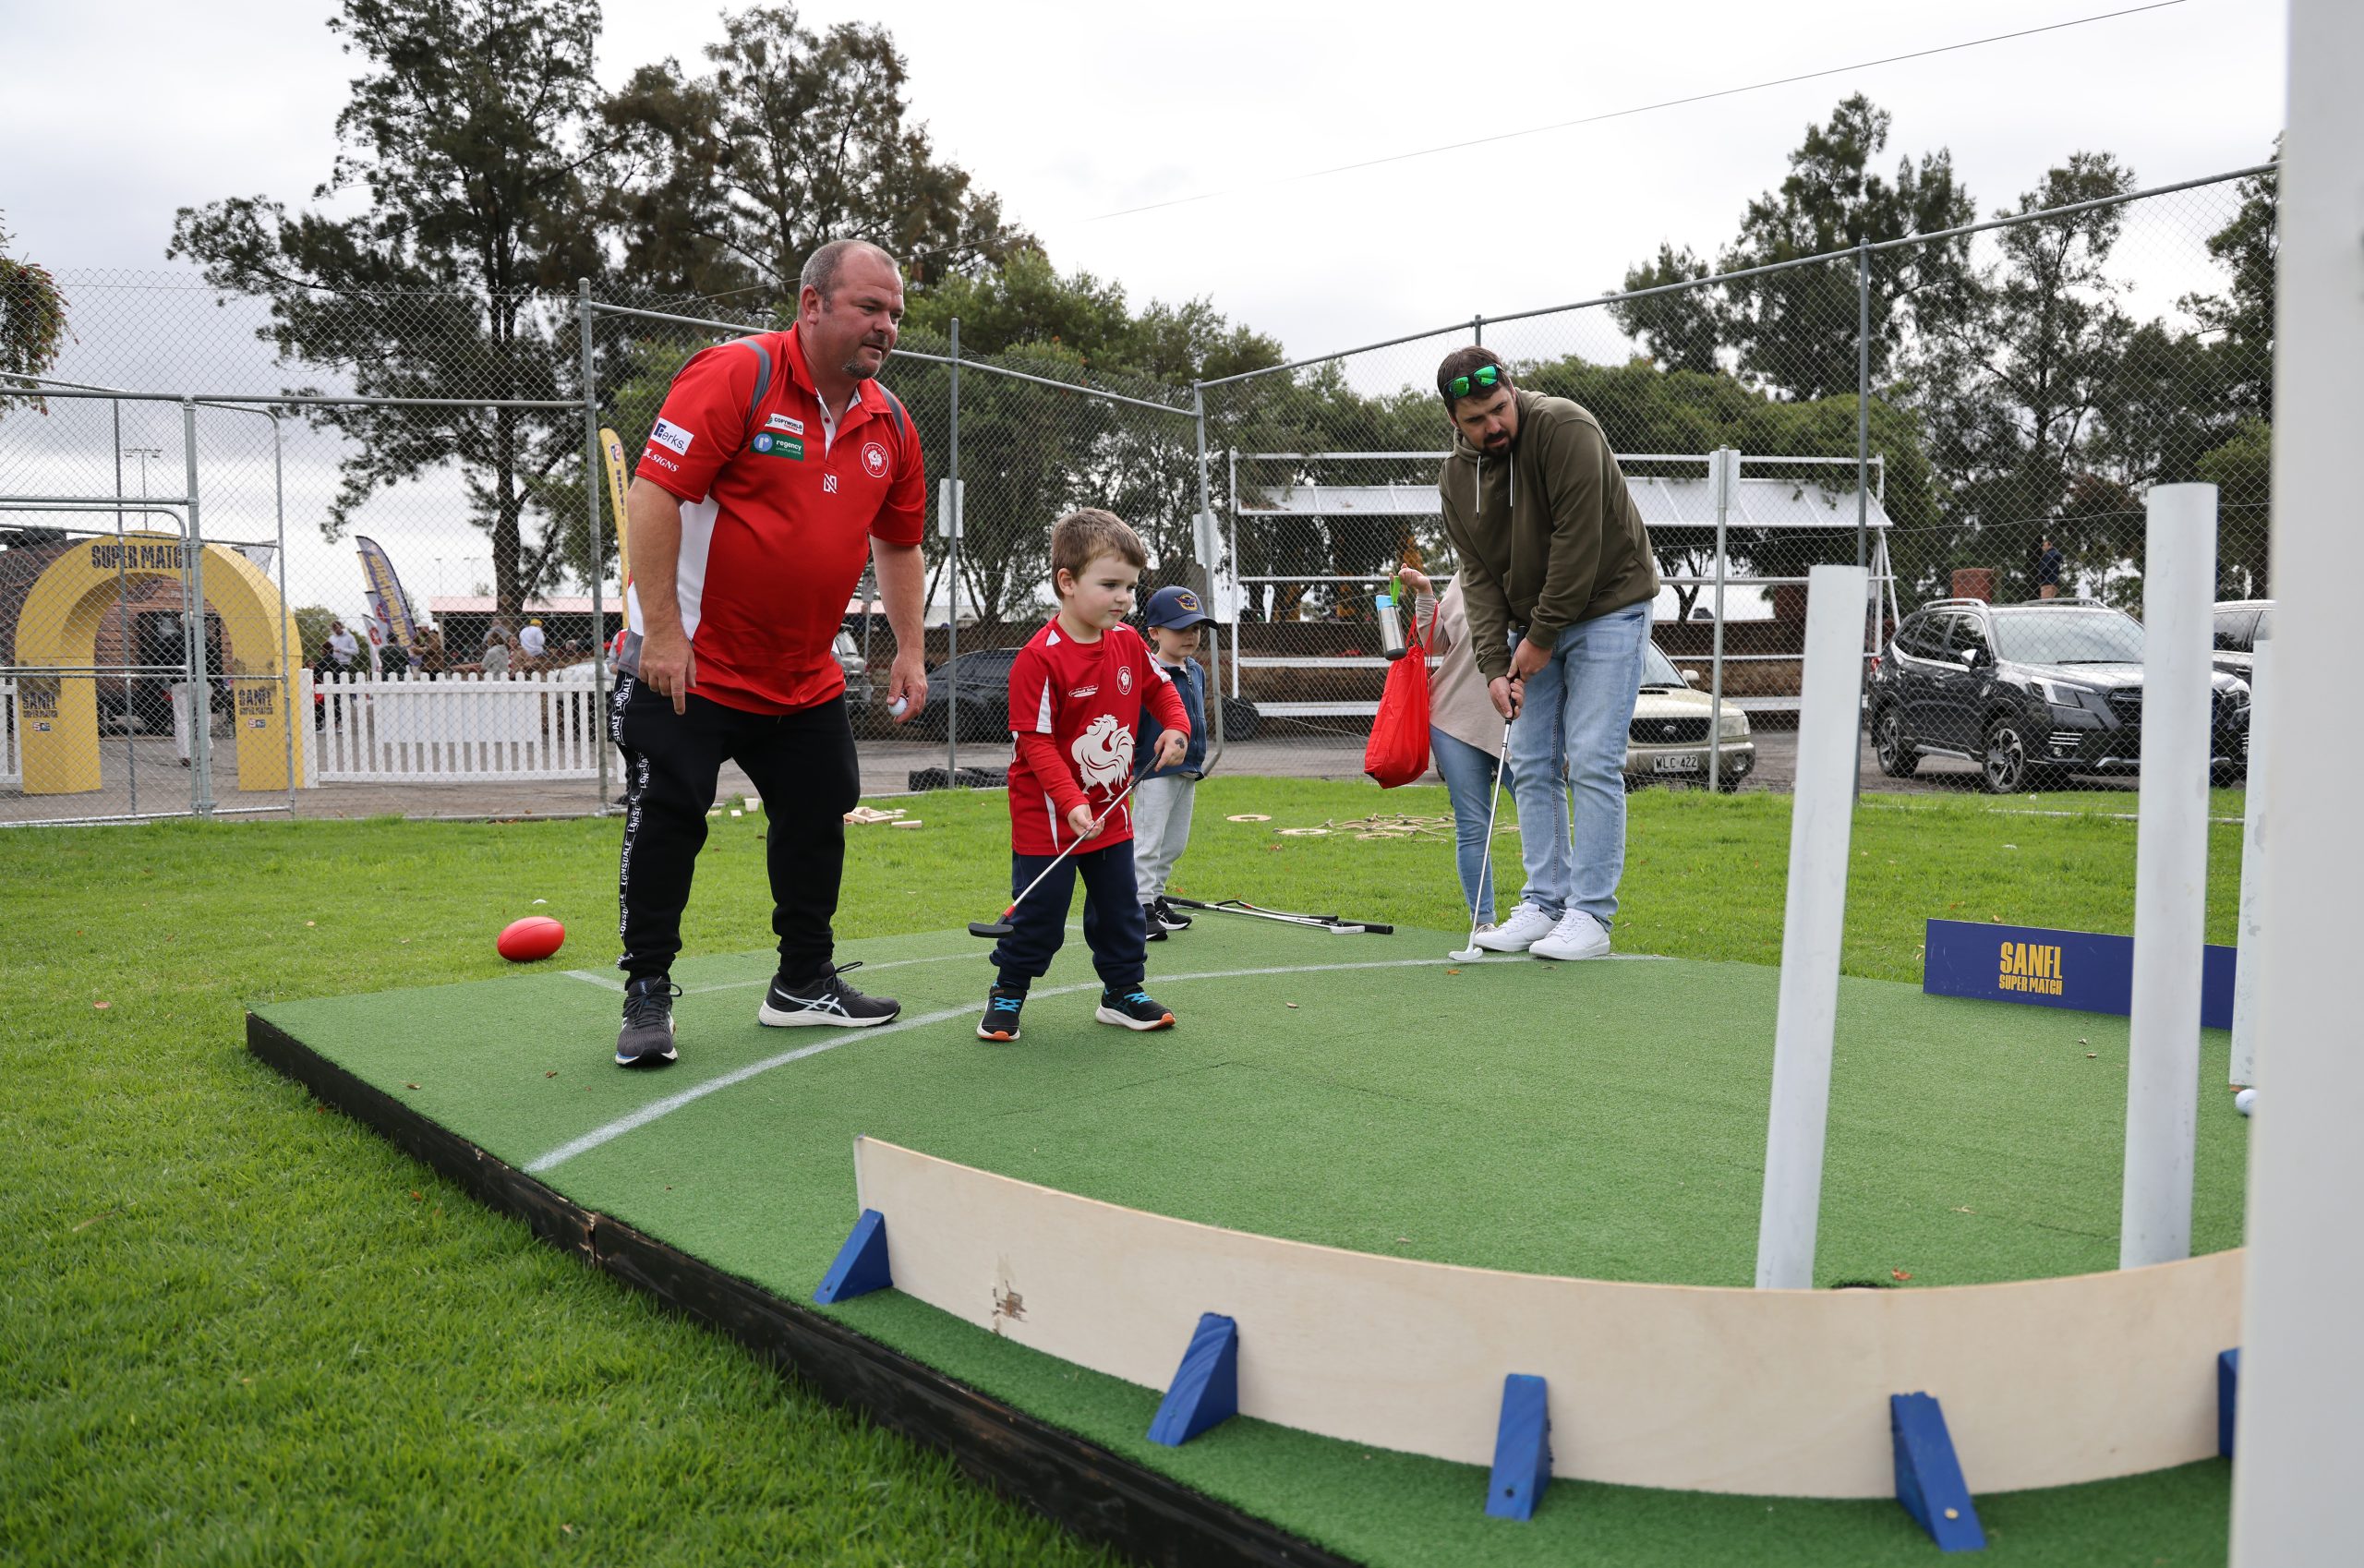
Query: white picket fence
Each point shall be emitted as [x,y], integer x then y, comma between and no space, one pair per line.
[453,728]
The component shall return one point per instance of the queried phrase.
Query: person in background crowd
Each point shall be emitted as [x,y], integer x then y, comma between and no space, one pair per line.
[344,646]
[2047,569]
[530,642]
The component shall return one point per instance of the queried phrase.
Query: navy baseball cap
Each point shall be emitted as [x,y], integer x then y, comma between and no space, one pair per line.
[1176,608]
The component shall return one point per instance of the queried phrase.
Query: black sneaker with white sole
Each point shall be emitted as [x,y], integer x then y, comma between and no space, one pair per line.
[827,1000]
[1154,931]
[1170,917]
[1132,1009]
[646,1039]
[1002,1008]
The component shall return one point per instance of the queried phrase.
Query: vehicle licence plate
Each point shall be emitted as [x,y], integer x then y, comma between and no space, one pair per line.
[1686,764]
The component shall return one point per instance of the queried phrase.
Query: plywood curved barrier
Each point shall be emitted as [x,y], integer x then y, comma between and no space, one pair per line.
[2045,1382]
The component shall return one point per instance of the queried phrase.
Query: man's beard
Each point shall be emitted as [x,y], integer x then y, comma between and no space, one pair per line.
[860,371]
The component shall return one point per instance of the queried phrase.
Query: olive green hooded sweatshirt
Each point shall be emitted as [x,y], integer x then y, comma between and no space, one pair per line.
[1547,537]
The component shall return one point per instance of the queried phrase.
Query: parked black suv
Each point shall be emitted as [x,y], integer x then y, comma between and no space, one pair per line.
[2031,693]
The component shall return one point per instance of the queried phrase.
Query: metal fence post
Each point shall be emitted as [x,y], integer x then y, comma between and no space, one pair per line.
[585,317]
[287,657]
[1864,460]
[201,721]
[951,585]
[1724,471]
[1209,541]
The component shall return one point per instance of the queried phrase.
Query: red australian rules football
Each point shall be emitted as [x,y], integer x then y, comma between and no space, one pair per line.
[535,936]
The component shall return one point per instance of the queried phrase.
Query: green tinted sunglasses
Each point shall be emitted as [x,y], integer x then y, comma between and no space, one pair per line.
[1480,380]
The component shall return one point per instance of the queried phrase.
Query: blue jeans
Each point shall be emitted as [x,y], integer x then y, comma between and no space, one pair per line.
[1468,775]
[1577,712]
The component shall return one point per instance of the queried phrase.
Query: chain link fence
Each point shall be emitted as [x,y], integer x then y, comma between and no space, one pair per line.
[1975,416]
[351,554]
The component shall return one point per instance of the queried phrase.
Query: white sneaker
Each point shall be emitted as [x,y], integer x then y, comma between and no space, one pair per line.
[1577,936]
[1525,926]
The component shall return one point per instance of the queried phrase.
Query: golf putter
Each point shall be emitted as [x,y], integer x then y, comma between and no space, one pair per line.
[991,929]
[1472,952]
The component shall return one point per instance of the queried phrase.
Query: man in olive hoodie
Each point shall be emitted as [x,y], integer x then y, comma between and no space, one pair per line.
[1559,579]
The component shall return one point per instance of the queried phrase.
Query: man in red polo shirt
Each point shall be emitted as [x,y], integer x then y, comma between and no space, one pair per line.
[777,467]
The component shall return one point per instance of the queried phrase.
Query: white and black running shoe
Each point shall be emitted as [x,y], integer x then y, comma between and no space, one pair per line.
[646,1040]
[828,1000]
[1150,924]
[1166,915]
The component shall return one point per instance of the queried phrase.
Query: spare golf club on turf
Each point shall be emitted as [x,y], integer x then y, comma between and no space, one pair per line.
[1472,953]
[1001,927]
[1337,925]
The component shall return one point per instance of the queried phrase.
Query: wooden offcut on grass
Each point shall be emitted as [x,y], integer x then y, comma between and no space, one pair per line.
[235,1328]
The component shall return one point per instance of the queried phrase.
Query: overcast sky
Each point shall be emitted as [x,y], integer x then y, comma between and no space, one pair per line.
[1072,111]
[118,112]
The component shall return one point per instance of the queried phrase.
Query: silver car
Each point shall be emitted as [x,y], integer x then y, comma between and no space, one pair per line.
[1668,741]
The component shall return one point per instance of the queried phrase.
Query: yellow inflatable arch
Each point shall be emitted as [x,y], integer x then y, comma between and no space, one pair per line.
[58,718]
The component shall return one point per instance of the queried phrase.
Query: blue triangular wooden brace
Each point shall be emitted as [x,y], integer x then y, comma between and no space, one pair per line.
[2228,1397]
[1928,1475]
[860,1264]
[1206,1386]
[1522,1451]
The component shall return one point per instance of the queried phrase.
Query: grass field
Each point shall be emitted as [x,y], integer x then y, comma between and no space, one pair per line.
[236,1329]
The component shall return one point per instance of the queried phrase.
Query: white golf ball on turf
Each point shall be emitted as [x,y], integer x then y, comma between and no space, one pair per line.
[2245,1102]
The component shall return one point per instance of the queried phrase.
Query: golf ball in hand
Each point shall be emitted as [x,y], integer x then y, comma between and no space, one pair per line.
[900,706]
[2245,1102]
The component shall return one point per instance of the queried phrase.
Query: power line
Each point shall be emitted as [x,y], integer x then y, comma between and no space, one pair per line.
[1644,108]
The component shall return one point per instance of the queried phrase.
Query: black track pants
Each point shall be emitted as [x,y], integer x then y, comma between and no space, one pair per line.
[802,765]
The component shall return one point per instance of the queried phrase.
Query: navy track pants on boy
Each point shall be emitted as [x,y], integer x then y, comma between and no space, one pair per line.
[1113,925]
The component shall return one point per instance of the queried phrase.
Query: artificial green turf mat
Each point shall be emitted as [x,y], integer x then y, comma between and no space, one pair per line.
[1598,1120]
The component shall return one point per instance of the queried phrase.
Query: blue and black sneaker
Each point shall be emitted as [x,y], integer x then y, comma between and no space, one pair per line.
[1132,1009]
[1000,1023]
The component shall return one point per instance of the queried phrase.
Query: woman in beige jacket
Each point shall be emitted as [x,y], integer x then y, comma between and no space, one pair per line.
[1464,736]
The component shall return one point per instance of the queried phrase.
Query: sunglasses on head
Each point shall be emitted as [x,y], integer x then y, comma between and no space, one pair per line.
[1480,380]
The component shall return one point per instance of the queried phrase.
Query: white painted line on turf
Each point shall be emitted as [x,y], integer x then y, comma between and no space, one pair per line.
[671,1103]
[600,981]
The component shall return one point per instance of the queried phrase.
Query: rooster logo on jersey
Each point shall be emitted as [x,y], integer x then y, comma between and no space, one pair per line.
[1103,754]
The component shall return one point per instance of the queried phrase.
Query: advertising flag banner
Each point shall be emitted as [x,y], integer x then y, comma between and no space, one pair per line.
[389,610]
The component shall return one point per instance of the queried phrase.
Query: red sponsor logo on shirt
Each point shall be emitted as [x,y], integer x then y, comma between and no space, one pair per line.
[873,460]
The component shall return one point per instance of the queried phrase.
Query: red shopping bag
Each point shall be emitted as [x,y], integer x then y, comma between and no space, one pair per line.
[1398,752]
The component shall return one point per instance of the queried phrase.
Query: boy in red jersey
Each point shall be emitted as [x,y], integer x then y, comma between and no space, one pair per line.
[1076,693]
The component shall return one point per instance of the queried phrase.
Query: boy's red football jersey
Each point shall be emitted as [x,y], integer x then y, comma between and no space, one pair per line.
[1086,698]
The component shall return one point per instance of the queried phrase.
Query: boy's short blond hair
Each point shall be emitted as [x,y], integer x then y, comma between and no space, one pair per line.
[1083,537]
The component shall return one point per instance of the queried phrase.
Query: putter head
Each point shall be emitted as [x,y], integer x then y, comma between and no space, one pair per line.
[1466,956]
[989,929]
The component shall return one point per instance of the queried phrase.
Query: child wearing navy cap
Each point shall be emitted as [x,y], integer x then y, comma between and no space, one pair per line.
[1162,800]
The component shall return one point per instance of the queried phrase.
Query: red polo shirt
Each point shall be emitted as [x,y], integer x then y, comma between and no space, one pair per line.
[777,517]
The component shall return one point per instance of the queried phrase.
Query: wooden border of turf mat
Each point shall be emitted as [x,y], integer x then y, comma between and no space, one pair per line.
[1075,1483]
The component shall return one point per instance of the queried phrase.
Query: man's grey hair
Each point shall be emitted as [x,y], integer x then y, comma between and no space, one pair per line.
[821,267]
